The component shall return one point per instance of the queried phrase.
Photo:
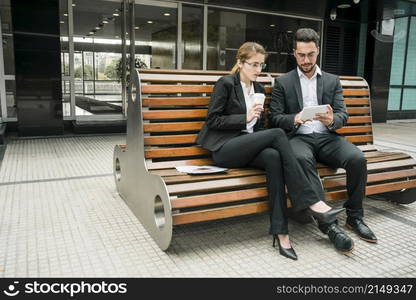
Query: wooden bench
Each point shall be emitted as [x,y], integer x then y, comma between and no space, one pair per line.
[166,110]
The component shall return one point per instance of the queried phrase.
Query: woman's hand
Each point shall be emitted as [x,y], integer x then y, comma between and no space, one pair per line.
[254,112]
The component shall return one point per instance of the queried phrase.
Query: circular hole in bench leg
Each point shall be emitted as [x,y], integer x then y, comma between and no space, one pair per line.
[118,170]
[160,217]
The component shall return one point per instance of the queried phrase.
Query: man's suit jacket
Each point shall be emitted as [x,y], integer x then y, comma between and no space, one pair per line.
[227,113]
[287,100]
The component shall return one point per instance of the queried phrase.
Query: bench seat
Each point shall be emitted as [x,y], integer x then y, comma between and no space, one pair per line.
[167,108]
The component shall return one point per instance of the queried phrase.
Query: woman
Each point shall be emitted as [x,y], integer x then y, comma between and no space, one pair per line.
[233,132]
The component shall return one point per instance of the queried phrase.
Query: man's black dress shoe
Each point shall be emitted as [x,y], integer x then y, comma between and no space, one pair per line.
[286,252]
[327,217]
[340,239]
[361,229]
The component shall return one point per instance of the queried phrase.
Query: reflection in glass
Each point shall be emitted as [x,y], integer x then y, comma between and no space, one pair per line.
[192,33]
[66,86]
[8,54]
[227,30]
[8,57]
[11,98]
[98,50]
[156,34]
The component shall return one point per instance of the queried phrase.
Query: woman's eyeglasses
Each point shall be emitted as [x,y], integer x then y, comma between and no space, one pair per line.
[256,65]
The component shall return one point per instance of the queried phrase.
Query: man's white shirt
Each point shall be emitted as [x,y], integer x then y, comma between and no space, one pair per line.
[310,98]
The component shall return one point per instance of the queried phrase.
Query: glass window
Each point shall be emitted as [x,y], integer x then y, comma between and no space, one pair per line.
[409,99]
[8,54]
[298,7]
[399,49]
[394,99]
[98,49]
[8,57]
[11,98]
[156,33]
[227,30]
[192,33]
[64,33]
[410,78]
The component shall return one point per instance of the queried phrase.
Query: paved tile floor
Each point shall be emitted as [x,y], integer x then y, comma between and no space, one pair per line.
[60,216]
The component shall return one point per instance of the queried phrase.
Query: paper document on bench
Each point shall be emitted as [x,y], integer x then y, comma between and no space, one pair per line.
[200,169]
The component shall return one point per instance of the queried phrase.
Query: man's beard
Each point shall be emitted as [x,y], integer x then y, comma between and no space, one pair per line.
[310,68]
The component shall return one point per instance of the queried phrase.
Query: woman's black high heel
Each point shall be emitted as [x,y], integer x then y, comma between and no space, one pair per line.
[286,252]
[326,217]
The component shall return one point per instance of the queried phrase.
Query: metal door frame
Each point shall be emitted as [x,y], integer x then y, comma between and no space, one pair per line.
[3,100]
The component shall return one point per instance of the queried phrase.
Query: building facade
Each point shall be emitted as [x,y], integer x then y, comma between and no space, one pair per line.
[63,62]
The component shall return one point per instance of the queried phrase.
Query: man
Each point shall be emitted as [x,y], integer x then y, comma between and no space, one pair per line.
[316,140]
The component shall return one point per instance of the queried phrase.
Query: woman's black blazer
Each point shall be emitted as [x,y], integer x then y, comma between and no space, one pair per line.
[227,113]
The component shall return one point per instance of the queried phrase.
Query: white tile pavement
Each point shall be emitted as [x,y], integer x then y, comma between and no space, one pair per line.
[60,216]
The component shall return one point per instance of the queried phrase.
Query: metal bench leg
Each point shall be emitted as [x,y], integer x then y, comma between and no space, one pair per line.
[144,193]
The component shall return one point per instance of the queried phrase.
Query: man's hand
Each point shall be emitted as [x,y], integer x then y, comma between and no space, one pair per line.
[326,118]
[298,120]
[254,112]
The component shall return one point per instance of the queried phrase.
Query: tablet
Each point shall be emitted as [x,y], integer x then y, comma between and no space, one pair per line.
[308,113]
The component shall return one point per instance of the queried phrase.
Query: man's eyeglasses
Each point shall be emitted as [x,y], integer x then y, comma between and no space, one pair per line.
[303,55]
[256,65]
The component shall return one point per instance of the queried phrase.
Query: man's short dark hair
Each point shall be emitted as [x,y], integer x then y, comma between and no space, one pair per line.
[306,35]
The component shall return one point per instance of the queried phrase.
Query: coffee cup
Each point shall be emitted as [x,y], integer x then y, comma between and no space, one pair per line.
[259,98]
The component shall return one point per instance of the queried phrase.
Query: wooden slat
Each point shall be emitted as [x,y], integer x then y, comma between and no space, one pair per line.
[190,78]
[356,120]
[175,101]
[220,213]
[355,92]
[344,77]
[367,148]
[173,127]
[358,110]
[354,83]
[373,189]
[392,157]
[173,173]
[217,198]
[185,126]
[173,88]
[377,156]
[384,176]
[172,164]
[372,167]
[175,152]
[215,185]
[357,101]
[170,139]
[175,114]
[383,154]
[210,72]
[178,78]
[355,129]
[360,139]
[200,178]
[202,113]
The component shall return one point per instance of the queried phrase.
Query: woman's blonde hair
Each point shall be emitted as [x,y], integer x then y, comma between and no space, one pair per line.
[247,50]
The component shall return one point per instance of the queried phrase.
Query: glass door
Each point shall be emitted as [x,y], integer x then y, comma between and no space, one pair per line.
[7,70]
[3,108]
[93,45]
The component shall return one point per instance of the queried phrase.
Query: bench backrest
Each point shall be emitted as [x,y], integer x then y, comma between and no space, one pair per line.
[175,106]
